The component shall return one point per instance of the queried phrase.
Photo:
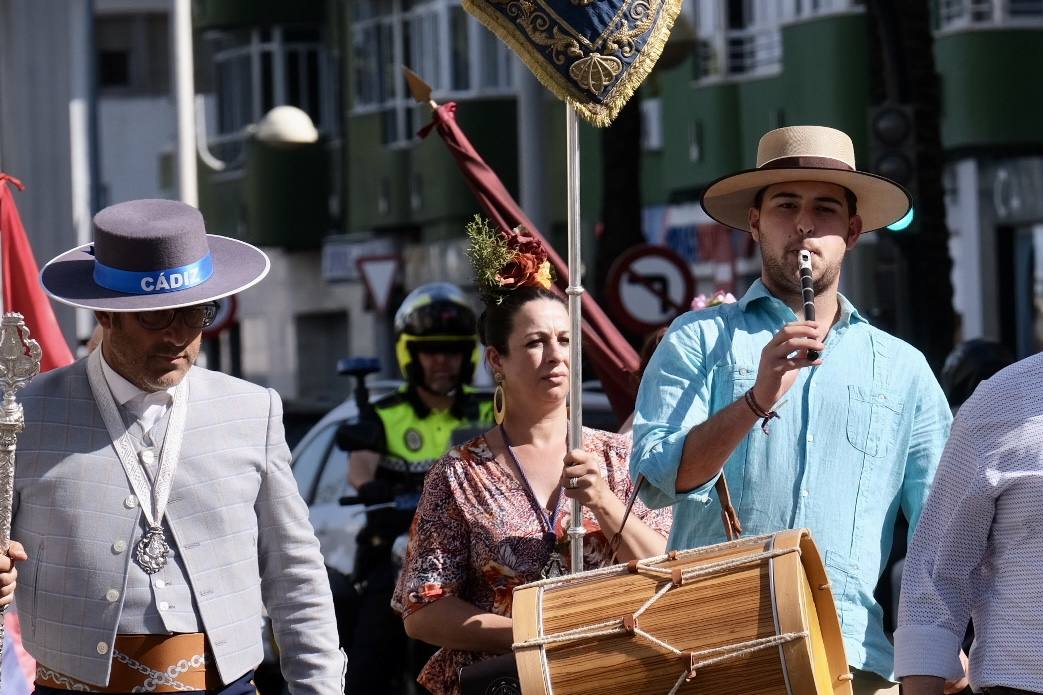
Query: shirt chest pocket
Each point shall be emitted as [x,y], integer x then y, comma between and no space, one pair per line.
[731,382]
[872,420]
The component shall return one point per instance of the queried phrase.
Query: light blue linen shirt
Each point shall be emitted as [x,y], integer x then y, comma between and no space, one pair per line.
[858,436]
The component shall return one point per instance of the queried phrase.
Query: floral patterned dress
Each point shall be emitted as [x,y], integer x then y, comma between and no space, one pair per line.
[476,536]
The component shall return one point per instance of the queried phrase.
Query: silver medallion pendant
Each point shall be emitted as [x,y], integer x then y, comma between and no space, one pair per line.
[555,566]
[152,550]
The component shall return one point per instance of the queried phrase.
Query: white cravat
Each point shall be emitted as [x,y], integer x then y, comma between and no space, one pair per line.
[147,407]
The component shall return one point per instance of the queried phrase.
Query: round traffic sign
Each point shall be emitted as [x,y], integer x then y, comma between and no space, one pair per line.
[648,287]
[226,307]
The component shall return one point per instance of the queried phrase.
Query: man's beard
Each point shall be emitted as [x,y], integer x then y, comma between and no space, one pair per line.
[134,366]
[787,283]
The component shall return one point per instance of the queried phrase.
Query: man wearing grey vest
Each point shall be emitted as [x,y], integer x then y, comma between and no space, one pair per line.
[153,499]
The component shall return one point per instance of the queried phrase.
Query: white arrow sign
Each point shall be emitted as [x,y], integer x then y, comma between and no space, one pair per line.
[648,286]
[378,272]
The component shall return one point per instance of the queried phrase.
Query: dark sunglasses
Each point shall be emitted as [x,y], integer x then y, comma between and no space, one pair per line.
[194,317]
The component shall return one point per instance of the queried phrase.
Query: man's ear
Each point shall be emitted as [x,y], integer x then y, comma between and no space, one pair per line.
[854,230]
[753,221]
[104,318]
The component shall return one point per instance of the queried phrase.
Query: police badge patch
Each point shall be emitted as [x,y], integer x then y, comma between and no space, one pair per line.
[414,440]
[591,53]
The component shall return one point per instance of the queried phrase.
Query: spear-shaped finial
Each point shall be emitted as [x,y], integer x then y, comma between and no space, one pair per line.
[420,90]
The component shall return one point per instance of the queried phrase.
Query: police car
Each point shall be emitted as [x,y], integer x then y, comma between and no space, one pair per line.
[321,470]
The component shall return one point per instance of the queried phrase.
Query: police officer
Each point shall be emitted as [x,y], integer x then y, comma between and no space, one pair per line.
[436,345]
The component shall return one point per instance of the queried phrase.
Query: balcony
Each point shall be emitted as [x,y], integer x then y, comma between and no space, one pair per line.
[753,52]
[960,15]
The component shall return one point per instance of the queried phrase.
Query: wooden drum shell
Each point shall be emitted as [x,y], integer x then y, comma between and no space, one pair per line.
[784,594]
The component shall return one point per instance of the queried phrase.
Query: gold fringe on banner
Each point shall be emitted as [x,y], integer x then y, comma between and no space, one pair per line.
[531,32]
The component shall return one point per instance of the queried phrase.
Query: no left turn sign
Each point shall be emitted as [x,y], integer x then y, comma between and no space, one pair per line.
[649,286]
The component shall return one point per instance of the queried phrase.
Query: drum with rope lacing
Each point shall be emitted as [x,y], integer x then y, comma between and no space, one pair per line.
[755,615]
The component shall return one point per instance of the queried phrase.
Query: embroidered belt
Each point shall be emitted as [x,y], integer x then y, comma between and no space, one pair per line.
[148,664]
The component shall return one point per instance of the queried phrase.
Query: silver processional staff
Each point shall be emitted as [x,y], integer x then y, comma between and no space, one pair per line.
[19,363]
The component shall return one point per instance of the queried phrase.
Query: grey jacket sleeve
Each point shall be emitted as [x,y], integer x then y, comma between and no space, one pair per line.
[294,583]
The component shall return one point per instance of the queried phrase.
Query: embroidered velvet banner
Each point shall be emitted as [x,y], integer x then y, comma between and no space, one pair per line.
[592,53]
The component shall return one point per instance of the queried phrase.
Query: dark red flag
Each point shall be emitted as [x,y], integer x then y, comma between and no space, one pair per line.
[613,357]
[21,282]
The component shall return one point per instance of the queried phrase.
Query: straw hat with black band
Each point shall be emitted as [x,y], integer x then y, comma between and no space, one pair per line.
[149,255]
[806,153]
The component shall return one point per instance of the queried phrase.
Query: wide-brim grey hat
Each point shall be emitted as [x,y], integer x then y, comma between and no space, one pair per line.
[806,153]
[152,254]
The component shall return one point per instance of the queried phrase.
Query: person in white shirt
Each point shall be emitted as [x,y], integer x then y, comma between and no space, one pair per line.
[978,550]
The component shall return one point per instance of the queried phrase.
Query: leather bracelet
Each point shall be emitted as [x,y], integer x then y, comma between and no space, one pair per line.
[765,415]
[754,405]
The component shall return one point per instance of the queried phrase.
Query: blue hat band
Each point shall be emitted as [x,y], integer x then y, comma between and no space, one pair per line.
[154,281]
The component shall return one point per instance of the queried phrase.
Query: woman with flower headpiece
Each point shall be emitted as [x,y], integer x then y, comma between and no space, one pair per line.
[494,511]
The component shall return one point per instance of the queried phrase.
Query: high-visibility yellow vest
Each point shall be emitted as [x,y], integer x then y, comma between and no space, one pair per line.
[413,442]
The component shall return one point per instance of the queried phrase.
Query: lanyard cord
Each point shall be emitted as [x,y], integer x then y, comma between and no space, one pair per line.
[546,518]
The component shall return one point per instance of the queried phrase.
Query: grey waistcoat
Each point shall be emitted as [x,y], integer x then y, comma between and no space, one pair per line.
[162,602]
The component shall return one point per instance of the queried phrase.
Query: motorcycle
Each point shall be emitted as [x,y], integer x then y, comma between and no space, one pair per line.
[381,657]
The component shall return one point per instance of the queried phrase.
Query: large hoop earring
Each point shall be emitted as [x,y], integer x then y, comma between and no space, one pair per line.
[499,401]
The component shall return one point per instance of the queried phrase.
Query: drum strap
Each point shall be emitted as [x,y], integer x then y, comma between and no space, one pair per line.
[729,517]
[617,538]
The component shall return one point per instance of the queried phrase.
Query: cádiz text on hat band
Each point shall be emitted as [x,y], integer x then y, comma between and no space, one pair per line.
[154,281]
